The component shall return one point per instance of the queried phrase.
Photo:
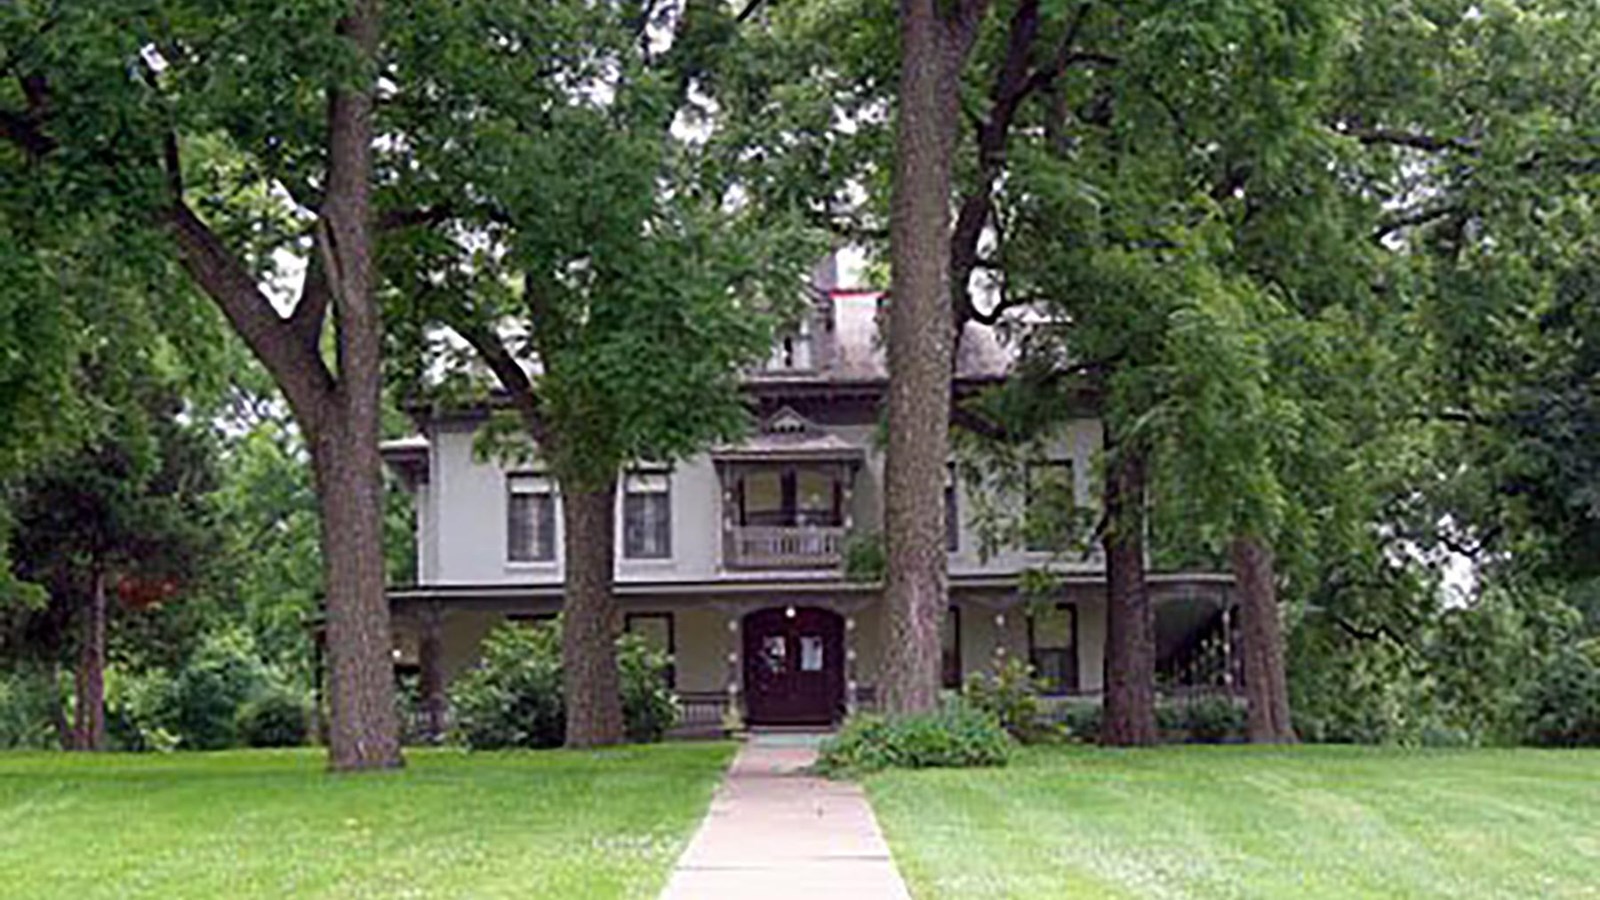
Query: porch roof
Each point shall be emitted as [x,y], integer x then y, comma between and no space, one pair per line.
[787,447]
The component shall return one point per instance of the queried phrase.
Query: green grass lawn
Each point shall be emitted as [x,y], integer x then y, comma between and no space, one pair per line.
[273,824]
[1250,822]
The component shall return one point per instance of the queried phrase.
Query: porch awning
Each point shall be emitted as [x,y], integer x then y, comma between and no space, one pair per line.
[780,447]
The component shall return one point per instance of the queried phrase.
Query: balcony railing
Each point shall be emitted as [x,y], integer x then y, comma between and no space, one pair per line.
[784,547]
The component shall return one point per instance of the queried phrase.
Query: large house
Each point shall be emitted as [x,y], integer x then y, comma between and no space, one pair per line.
[734,561]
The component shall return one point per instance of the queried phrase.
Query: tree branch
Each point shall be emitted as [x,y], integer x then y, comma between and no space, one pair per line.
[1397,137]
[513,379]
[1414,219]
[298,370]
[750,9]
[1011,85]
[24,131]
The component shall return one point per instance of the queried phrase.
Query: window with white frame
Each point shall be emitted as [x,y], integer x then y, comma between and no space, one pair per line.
[647,516]
[530,519]
[658,633]
[952,516]
[1048,518]
[792,349]
[1053,647]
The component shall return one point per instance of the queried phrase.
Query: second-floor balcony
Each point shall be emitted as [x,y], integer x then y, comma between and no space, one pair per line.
[786,498]
[784,546]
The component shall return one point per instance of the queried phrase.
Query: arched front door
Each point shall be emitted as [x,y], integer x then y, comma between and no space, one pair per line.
[793,666]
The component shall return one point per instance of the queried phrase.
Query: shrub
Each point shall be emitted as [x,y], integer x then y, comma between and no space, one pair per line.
[274,718]
[957,735]
[649,705]
[865,558]
[1206,719]
[203,703]
[27,701]
[1080,719]
[1011,696]
[1563,705]
[513,697]
[137,710]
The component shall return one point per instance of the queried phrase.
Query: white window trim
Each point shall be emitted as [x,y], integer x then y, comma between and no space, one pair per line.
[646,481]
[533,483]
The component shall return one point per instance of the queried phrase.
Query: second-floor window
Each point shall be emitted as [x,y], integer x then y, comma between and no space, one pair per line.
[952,517]
[1047,520]
[791,496]
[647,516]
[950,649]
[530,519]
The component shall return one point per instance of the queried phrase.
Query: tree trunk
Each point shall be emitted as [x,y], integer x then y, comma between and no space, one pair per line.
[90,727]
[921,345]
[66,736]
[589,619]
[1265,677]
[364,732]
[1130,665]
[430,657]
[363,729]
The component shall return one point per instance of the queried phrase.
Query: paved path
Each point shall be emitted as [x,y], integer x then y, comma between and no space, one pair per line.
[774,832]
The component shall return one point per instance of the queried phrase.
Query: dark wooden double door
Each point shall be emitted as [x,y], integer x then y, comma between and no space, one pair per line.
[793,666]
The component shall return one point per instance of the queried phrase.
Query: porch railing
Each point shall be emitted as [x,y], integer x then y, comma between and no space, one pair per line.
[784,547]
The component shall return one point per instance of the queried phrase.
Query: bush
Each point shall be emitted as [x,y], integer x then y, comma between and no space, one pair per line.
[138,718]
[202,706]
[1563,706]
[27,700]
[649,705]
[1011,696]
[275,718]
[1206,719]
[1080,719]
[957,735]
[865,558]
[513,697]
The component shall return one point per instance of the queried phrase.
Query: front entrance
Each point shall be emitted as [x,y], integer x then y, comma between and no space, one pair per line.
[793,666]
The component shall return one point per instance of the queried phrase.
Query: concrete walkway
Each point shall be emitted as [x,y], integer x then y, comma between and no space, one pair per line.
[774,832]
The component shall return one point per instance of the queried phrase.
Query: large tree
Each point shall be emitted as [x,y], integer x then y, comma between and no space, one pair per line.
[233,141]
[935,41]
[121,519]
[635,267]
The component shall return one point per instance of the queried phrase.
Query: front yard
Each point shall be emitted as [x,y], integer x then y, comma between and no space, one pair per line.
[1250,822]
[273,824]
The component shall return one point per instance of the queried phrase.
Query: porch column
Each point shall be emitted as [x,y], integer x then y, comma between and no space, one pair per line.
[999,640]
[430,659]
[728,479]
[733,665]
[1227,643]
[851,701]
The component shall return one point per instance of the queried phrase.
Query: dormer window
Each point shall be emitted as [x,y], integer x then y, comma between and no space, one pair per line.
[792,351]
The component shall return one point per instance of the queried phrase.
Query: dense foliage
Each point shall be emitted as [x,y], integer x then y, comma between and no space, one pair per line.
[1199,719]
[1330,266]
[957,735]
[514,697]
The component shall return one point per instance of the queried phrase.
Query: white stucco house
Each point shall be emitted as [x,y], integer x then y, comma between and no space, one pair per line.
[733,561]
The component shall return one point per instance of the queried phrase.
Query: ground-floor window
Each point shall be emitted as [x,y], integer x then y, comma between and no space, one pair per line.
[1053,647]
[950,655]
[659,634]
[531,618]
